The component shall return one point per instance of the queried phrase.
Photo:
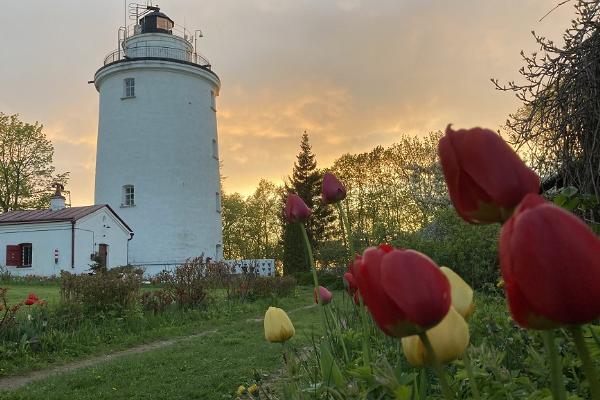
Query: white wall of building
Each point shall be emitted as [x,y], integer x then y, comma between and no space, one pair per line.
[45,238]
[162,141]
[100,227]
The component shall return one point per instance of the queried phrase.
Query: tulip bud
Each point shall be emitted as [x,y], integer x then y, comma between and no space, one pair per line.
[324,294]
[296,209]
[333,190]
[462,293]
[404,290]
[278,327]
[449,340]
[486,179]
[550,263]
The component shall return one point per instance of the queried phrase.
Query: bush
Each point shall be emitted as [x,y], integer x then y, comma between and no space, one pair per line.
[248,286]
[186,284]
[470,250]
[269,286]
[114,290]
[156,301]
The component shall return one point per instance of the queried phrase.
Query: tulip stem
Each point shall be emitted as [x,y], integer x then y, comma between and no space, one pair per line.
[471,375]
[437,367]
[336,324]
[365,333]
[347,232]
[311,262]
[586,360]
[557,381]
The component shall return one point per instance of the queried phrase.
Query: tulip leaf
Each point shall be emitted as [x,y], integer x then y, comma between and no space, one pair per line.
[330,370]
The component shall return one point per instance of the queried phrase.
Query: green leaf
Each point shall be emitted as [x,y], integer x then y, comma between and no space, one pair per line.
[330,370]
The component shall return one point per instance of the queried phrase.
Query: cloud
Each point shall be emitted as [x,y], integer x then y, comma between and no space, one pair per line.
[354,74]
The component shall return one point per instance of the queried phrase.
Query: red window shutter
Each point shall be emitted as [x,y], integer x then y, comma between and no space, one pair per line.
[13,256]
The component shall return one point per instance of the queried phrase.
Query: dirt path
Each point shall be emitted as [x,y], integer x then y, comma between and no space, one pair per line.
[18,381]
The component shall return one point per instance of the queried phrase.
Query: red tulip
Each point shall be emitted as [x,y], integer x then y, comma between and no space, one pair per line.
[333,190]
[404,290]
[486,179]
[296,209]
[30,301]
[351,286]
[551,266]
[324,294]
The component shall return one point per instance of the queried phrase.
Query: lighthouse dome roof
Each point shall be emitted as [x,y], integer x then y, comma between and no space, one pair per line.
[156,21]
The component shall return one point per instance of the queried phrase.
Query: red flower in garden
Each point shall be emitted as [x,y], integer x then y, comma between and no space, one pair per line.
[404,290]
[550,263]
[351,286]
[31,299]
[333,190]
[296,209]
[486,179]
[325,295]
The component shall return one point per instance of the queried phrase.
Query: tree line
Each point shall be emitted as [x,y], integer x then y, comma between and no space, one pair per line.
[391,191]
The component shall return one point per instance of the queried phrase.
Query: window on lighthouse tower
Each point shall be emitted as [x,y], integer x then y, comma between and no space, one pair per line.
[128,87]
[128,196]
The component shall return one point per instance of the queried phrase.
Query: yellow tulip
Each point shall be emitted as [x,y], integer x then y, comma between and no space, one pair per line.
[253,389]
[449,340]
[278,327]
[241,389]
[462,294]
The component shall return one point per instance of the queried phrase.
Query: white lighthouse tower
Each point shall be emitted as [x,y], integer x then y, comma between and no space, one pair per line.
[157,159]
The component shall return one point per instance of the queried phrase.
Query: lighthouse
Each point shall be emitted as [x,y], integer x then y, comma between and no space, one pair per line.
[157,161]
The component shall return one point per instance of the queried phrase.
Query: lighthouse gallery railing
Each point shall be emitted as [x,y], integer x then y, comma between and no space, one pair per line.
[157,52]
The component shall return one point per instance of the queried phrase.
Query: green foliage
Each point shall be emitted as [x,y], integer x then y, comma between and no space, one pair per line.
[186,284]
[26,171]
[392,189]
[469,250]
[251,287]
[114,290]
[251,226]
[295,257]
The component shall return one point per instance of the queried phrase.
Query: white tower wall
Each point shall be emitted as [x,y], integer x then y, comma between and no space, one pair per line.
[163,141]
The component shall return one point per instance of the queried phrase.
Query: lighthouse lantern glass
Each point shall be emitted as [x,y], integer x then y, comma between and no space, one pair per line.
[163,23]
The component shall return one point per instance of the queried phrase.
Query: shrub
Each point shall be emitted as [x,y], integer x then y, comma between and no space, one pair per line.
[112,290]
[249,286]
[186,284]
[156,301]
[268,286]
[470,250]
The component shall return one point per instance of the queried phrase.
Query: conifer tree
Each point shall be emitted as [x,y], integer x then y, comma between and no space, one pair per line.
[306,182]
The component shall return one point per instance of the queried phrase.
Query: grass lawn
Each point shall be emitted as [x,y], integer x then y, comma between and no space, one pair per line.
[19,292]
[204,367]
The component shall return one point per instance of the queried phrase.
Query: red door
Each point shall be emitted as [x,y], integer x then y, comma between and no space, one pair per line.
[103,255]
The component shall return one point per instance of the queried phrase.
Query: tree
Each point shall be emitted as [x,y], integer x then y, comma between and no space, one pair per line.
[26,171]
[251,226]
[558,124]
[306,182]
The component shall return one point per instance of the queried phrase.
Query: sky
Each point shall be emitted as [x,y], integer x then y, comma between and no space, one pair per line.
[354,74]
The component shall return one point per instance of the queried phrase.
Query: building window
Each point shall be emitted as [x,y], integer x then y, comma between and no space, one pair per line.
[26,254]
[128,87]
[213,103]
[218,198]
[128,196]
[19,255]
[215,149]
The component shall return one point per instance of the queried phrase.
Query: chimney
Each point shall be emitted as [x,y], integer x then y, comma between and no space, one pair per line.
[57,201]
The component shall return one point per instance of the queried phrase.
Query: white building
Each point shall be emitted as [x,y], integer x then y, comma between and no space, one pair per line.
[44,242]
[157,158]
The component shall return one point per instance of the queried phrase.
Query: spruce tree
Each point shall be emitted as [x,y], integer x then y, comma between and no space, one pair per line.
[306,182]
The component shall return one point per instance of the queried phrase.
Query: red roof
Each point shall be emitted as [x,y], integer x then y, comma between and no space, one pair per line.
[48,215]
